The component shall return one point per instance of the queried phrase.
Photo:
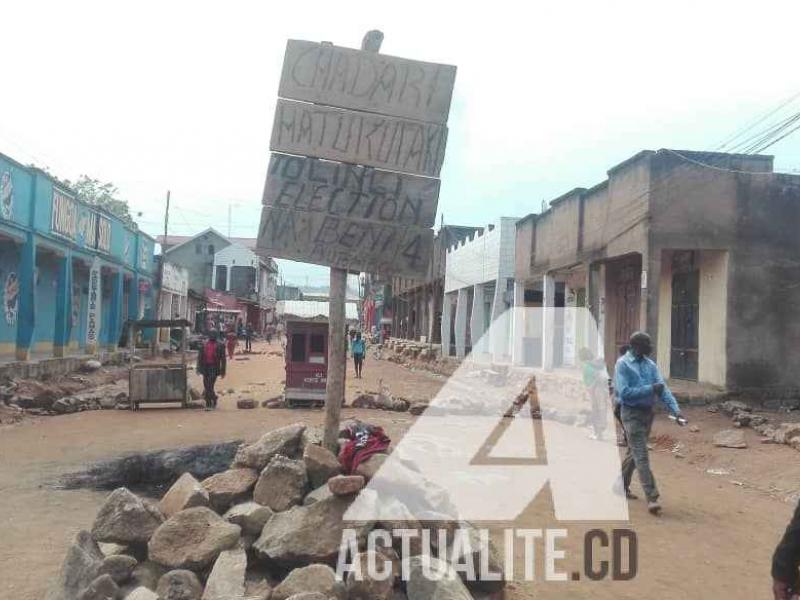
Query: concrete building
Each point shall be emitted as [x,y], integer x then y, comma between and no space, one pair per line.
[70,273]
[478,288]
[417,303]
[699,249]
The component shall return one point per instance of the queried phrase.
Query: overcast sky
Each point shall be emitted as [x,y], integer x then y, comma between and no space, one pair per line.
[180,95]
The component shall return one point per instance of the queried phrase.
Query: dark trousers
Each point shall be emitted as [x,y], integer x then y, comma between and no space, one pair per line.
[638,421]
[248,343]
[358,361]
[209,379]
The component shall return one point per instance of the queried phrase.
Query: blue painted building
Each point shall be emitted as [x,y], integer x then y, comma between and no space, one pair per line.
[70,273]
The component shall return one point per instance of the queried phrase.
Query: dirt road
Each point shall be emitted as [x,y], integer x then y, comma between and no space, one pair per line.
[714,540]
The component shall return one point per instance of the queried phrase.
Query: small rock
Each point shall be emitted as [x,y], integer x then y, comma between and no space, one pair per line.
[119,566]
[730,407]
[369,467]
[230,487]
[345,485]
[142,593]
[694,428]
[80,566]
[185,493]
[277,403]
[361,585]
[321,464]
[282,484]
[318,494]
[179,585]
[226,581]
[91,365]
[192,539]
[440,581]
[101,588]
[730,438]
[313,578]
[125,518]
[246,403]
[250,516]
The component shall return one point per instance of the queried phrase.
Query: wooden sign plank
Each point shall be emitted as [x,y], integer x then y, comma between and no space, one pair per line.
[315,185]
[357,137]
[346,243]
[368,81]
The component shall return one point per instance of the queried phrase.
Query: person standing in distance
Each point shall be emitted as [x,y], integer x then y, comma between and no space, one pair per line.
[638,384]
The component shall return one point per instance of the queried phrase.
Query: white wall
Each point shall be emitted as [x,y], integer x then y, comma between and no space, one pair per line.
[487,257]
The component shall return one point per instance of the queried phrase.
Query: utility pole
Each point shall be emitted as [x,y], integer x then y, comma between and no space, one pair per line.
[160,297]
[334,390]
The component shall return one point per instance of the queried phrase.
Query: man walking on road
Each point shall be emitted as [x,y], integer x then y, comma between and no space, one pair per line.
[358,348]
[638,384]
[211,364]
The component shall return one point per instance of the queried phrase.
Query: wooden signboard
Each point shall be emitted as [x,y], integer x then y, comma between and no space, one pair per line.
[322,186]
[345,242]
[367,81]
[358,137]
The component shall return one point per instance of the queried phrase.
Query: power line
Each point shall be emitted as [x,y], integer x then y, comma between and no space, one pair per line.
[758,121]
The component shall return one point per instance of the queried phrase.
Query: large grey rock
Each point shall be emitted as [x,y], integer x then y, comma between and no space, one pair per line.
[192,539]
[185,493]
[119,566]
[346,485]
[284,441]
[361,585]
[321,464]
[125,518]
[179,585]
[308,534]
[250,516]
[257,588]
[282,484]
[80,567]
[230,487]
[785,432]
[313,578]
[102,587]
[146,574]
[439,582]
[226,581]
[141,593]
[730,438]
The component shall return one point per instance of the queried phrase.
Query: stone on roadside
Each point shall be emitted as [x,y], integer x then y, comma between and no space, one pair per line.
[308,534]
[360,584]
[230,487]
[142,593]
[119,566]
[185,493]
[250,516]
[192,539]
[313,578]
[146,574]
[321,464]
[369,467]
[246,403]
[418,408]
[730,438]
[257,588]
[102,587]
[226,580]
[284,441]
[125,518]
[730,407]
[179,584]
[282,484]
[439,581]
[80,567]
[346,485]
[784,433]
[318,494]
[91,365]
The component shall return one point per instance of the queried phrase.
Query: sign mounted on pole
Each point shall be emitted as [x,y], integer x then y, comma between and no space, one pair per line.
[94,303]
[357,144]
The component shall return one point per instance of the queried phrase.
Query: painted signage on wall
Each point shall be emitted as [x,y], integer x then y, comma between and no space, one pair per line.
[6,196]
[95,302]
[103,234]
[65,215]
[11,298]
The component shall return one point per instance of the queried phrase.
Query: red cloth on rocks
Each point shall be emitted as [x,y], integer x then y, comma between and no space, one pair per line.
[363,441]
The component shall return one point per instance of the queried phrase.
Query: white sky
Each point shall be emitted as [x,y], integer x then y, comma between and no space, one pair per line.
[180,95]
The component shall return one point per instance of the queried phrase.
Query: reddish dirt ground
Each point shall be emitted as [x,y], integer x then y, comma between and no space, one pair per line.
[714,539]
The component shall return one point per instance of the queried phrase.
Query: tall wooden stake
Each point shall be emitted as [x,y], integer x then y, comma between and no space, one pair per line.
[160,295]
[337,355]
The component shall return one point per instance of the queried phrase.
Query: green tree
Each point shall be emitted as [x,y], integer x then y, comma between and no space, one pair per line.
[103,195]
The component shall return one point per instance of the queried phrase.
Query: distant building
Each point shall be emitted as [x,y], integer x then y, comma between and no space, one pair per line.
[699,249]
[289,292]
[478,288]
[70,273]
[417,303]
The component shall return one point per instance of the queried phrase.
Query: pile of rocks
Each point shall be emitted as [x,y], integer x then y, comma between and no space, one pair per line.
[383,400]
[269,527]
[742,416]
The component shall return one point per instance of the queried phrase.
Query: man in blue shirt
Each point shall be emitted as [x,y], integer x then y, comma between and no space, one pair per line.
[637,384]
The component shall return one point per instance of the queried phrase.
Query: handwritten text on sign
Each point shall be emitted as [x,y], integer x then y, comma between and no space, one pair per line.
[302,183]
[357,137]
[347,78]
[346,243]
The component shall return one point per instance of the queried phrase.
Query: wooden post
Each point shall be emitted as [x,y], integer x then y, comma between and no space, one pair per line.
[337,359]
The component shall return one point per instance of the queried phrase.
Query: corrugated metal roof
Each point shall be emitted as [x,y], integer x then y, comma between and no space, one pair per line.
[309,309]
